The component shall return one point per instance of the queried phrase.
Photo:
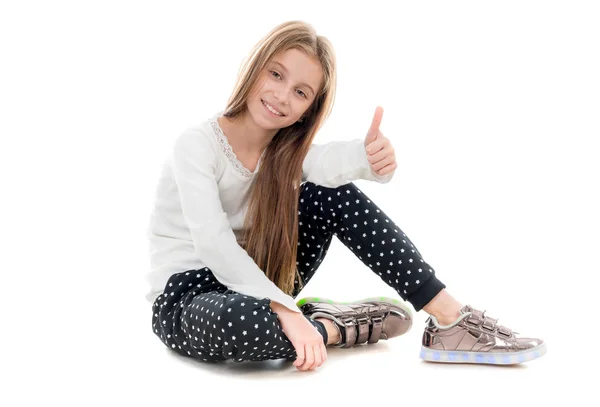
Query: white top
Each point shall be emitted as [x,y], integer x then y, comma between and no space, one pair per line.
[198,214]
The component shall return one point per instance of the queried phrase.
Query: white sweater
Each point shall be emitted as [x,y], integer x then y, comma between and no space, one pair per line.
[198,217]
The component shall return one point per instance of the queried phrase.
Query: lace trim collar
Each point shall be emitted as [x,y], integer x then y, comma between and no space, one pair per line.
[226,147]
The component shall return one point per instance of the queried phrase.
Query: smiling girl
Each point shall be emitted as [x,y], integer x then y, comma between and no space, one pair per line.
[246,209]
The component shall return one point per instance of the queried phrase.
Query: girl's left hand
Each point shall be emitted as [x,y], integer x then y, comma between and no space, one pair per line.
[380,152]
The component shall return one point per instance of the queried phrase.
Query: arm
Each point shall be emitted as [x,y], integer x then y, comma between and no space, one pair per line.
[338,162]
[194,164]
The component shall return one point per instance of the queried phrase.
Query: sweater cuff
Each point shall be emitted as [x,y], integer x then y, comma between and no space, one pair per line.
[286,301]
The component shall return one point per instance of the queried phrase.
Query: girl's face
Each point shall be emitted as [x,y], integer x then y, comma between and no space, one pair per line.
[285,90]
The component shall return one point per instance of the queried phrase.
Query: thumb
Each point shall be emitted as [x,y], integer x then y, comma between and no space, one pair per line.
[374,129]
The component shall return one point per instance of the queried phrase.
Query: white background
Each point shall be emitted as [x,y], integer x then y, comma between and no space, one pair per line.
[492,108]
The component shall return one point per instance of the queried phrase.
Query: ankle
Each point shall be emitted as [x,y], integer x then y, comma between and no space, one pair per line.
[334,335]
[446,319]
[444,307]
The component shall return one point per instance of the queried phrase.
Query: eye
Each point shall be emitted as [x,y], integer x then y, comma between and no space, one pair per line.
[274,72]
[303,94]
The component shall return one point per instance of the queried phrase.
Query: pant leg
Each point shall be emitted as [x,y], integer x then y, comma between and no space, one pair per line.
[197,316]
[169,310]
[315,233]
[373,237]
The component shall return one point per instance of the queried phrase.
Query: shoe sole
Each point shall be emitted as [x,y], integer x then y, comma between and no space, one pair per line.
[397,303]
[490,358]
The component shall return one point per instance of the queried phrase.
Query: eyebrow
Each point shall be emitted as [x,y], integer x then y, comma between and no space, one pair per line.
[283,68]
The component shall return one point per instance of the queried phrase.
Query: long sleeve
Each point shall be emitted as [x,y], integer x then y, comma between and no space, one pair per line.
[194,164]
[338,162]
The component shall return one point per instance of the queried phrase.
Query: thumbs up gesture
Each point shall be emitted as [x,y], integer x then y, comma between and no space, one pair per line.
[380,152]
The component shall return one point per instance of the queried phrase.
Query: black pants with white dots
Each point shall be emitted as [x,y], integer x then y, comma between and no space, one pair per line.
[199,317]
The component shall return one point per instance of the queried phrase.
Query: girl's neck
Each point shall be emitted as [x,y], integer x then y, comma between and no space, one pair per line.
[244,135]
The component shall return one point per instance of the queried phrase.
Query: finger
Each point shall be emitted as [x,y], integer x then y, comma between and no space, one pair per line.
[375,158]
[383,163]
[376,120]
[323,352]
[309,357]
[387,169]
[318,357]
[299,356]
[377,145]
[319,350]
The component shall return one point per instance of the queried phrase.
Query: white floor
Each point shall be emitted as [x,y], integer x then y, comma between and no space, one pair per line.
[387,372]
[111,355]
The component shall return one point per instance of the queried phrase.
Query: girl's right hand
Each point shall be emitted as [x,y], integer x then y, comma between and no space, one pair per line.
[307,341]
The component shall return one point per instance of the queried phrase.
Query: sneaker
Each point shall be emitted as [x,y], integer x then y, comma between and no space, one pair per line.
[476,338]
[360,322]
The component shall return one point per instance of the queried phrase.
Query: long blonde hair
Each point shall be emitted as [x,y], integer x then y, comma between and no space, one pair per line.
[271,223]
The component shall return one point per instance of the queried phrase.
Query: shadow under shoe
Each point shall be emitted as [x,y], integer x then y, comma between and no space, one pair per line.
[360,322]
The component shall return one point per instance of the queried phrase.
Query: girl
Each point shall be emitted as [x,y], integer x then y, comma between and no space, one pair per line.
[246,208]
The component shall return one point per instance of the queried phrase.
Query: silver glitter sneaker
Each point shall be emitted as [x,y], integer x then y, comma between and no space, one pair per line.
[476,338]
[360,322]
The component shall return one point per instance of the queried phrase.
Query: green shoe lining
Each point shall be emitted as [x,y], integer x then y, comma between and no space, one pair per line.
[400,304]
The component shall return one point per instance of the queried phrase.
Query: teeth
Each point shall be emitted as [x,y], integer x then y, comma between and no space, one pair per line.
[272,109]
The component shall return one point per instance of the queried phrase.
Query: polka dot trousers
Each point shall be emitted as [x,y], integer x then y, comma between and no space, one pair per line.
[197,316]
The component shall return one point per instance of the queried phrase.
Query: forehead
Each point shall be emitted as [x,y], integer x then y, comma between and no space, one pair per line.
[300,67]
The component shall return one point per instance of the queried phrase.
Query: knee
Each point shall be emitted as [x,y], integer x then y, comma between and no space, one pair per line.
[311,191]
[243,315]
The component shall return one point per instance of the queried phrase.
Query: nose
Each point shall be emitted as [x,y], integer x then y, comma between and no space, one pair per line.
[282,94]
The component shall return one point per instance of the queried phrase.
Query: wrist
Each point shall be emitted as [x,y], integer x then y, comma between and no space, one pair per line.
[282,310]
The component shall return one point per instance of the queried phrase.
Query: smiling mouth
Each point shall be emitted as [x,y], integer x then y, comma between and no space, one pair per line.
[272,109]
